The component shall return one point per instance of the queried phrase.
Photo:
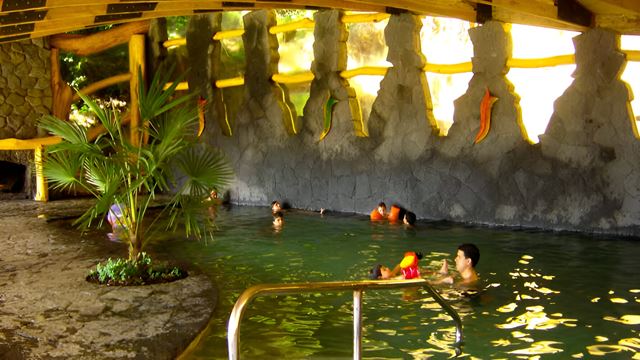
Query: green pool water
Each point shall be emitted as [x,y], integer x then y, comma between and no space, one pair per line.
[545,295]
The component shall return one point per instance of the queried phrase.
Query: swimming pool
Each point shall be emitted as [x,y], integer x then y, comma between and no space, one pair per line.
[553,295]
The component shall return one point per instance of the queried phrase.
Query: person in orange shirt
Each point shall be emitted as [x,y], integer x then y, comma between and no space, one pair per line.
[379,213]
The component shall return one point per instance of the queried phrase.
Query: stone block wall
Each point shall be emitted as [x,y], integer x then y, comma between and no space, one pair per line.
[25,96]
[25,88]
[584,175]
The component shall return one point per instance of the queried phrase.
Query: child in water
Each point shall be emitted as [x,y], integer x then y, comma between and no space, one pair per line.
[408,267]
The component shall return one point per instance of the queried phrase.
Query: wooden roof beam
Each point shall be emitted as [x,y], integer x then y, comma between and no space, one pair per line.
[629,5]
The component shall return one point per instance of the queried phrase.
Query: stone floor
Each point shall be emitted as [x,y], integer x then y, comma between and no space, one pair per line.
[48,310]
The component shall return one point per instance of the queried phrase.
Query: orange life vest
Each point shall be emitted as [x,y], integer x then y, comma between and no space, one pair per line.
[375,215]
[394,213]
[409,266]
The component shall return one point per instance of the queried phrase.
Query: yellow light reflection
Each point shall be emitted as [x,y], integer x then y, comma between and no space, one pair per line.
[538,348]
[535,319]
[619,300]
[631,342]
[601,339]
[518,334]
[501,342]
[625,319]
[595,299]
[507,308]
[602,350]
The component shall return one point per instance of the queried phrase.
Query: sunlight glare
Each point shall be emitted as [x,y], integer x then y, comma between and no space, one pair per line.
[539,88]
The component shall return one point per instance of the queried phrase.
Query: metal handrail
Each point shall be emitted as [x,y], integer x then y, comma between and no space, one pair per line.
[233,334]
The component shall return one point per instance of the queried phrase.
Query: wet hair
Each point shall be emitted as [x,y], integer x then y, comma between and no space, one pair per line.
[375,272]
[470,252]
[275,202]
[411,218]
[382,204]
[419,255]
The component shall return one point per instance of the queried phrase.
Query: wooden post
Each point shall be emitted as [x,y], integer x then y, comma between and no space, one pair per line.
[60,90]
[42,191]
[136,65]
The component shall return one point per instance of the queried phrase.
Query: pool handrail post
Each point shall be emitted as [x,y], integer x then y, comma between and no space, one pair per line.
[358,287]
[357,324]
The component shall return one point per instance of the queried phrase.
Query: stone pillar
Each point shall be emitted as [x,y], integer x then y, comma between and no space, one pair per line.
[204,61]
[156,52]
[592,131]
[492,48]
[402,119]
[267,104]
[591,121]
[330,58]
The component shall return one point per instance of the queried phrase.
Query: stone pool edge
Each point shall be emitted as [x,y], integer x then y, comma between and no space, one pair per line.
[49,311]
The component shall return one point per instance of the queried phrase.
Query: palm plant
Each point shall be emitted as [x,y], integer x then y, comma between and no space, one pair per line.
[169,160]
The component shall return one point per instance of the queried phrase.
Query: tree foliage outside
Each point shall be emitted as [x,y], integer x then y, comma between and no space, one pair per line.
[116,171]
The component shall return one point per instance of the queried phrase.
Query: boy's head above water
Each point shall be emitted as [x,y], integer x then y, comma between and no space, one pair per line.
[380,272]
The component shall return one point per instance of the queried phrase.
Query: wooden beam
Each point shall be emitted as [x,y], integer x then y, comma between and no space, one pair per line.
[573,12]
[630,5]
[95,43]
[136,68]
[628,25]
[60,91]
[98,85]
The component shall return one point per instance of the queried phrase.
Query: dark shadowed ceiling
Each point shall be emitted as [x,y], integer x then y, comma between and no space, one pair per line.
[21,19]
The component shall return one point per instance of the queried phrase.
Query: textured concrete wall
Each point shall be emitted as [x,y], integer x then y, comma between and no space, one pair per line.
[582,176]
[25,90]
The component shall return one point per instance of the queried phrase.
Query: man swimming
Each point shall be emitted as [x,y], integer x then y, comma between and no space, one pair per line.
[467,258]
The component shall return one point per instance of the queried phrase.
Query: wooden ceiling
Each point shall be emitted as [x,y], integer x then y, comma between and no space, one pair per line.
[21,19]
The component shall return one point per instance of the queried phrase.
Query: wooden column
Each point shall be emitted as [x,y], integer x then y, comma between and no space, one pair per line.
[60,90]
[42,191]
[136,65]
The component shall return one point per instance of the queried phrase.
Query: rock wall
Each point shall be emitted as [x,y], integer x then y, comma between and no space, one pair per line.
[25,95]
[584,175]
[25,87]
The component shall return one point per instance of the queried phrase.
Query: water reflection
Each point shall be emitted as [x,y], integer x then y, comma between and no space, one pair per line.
[554,306]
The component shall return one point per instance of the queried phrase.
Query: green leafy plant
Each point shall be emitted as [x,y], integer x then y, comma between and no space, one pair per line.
[134,272]
[163,157]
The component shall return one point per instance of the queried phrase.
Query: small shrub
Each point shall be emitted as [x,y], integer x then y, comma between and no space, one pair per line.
[140,271]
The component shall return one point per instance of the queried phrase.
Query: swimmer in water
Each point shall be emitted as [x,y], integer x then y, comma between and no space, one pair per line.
[467,258]
[278,220]
[379,213]
[276,207]
[407,269]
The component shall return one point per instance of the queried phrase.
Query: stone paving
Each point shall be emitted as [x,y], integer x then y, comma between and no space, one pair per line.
[48,310]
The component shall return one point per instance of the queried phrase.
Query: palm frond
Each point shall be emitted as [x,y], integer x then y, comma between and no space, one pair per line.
[157,100]
[102,176]
[63,170]
[203,169]
[67,130]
